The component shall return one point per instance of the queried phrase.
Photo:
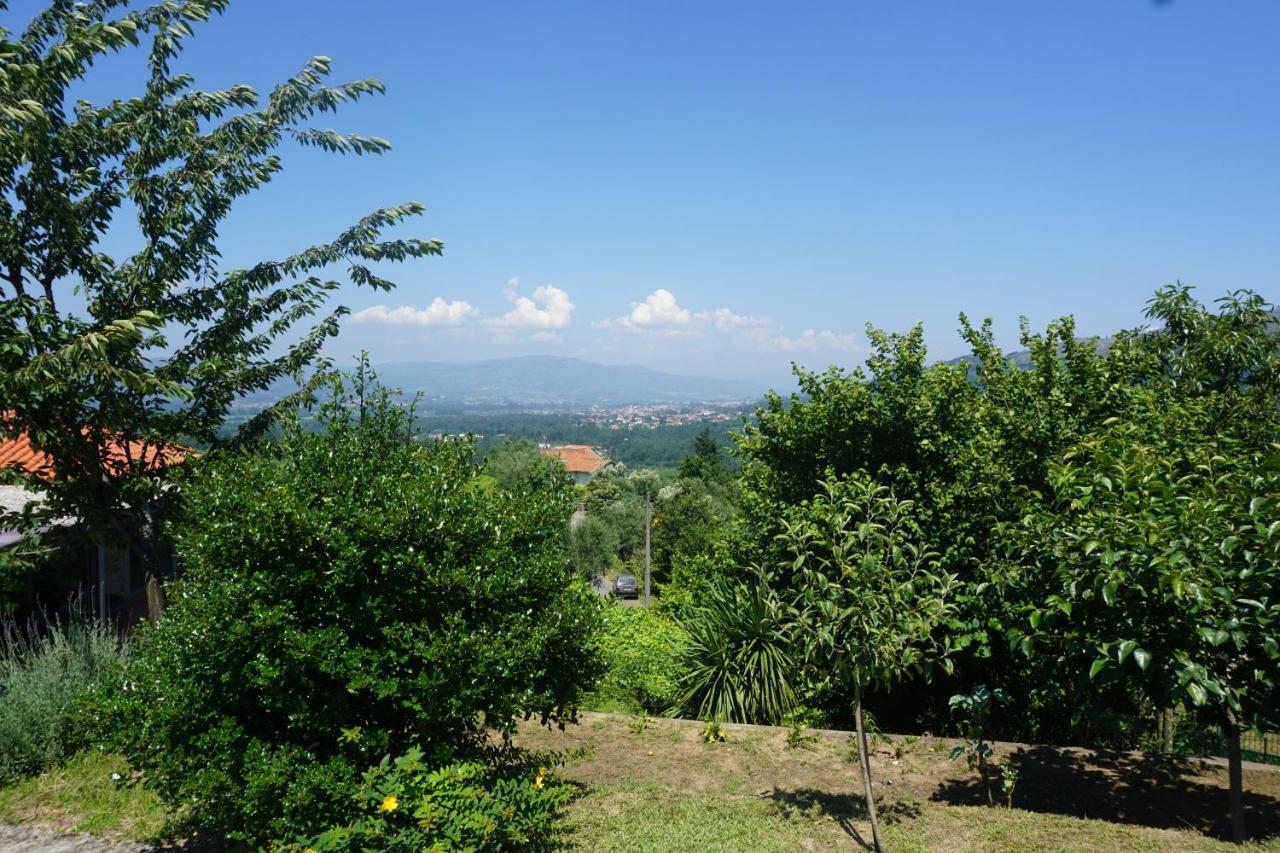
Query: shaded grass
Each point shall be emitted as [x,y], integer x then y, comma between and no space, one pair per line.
[81,796]
[649,817]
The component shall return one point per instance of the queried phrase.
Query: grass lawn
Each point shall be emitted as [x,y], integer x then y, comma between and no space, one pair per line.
[663,789]
[82,796]
[660,788]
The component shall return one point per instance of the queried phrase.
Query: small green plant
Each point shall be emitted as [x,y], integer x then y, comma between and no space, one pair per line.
[974,710]
[874,732]
[904,746]
[638,724]
[798,737]
[798,723]
[713,732]
[738,663]
[1008,781]
[406,804]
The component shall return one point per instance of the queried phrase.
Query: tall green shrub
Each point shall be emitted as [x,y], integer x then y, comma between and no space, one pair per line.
[351,595]
[42,674]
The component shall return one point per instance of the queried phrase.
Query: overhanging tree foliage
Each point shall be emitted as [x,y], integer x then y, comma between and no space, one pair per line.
[153,347]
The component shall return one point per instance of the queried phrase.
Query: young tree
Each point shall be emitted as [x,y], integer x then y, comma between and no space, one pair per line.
[871,595]
[593,546]
[151,348]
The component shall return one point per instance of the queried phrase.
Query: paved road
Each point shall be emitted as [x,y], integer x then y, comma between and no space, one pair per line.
[604,589]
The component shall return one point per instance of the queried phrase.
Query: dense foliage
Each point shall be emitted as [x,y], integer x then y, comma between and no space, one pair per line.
[974,445]
[641,652]
[351,595]
[1107,510]
[139,351]
[407,806]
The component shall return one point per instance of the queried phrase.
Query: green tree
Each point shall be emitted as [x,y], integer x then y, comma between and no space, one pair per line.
[153,347]
[871,596]
[972,444]
[687,522]
[706,462]
[593,546]
[1162,570]
[518,464]
[351,595]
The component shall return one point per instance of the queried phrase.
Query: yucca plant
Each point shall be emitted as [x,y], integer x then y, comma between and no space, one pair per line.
[737,663]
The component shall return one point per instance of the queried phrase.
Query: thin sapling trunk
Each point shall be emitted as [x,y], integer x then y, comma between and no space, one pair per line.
[864,758]
[1235,775]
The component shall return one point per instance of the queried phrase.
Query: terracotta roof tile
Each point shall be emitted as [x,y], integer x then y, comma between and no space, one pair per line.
[577,458]
[18,452]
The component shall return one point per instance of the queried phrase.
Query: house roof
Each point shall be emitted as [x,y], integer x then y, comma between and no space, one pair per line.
[577,458]
[18,452]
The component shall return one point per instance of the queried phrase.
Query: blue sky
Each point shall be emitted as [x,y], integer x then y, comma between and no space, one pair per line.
[721,188]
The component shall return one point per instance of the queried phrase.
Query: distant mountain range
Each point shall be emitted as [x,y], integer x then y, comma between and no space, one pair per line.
[551,382]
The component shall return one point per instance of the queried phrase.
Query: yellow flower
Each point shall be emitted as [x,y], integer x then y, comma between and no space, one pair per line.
[309,850]
[389,804]
[542,771]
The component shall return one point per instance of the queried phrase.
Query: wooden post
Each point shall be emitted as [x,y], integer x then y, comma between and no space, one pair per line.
[102,582]
[155,599]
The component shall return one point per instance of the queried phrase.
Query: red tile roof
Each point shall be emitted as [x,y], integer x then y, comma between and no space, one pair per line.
[18,452]
[577,458]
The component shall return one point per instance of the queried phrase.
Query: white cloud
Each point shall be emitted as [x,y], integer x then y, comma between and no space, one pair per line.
[661,314]
[807,341]
[438,313]
[547,310]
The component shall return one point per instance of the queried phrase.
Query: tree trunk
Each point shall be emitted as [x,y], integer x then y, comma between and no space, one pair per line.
[1235,774]
[1166,731]
[864,758]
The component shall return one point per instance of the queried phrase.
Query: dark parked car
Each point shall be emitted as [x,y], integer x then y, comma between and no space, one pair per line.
[626,587]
